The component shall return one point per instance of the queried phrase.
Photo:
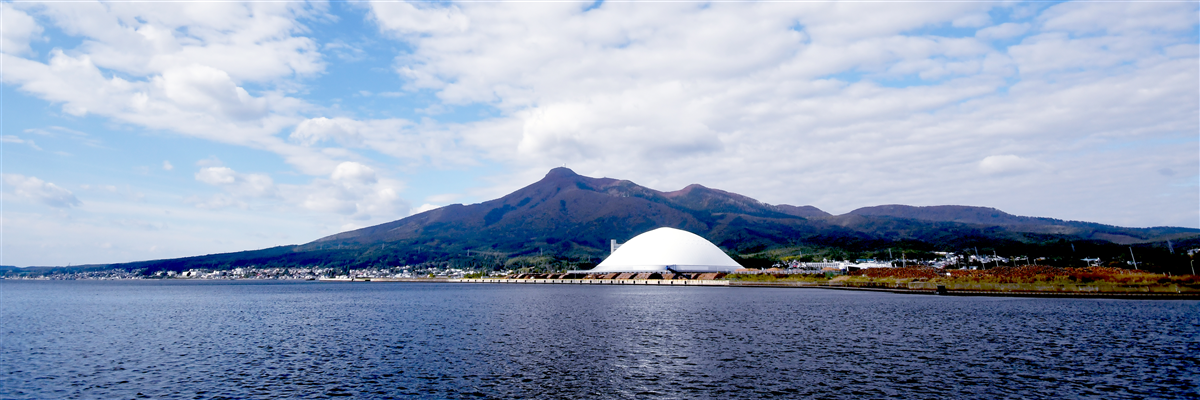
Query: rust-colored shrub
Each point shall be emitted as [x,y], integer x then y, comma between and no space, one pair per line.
[914,272]
[1044,273]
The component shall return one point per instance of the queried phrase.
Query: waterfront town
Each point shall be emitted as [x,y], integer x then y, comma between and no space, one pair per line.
[947,261]
[313,273]
[660,254]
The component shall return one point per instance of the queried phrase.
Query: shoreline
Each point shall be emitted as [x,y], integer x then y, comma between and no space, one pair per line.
[1164,292]
[935,291]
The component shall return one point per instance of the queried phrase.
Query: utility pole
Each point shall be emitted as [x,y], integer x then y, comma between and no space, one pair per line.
[1134,258]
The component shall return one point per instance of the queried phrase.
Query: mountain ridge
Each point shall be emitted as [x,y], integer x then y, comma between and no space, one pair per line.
[583,205]
[701,209]
[571,218]
[989,216]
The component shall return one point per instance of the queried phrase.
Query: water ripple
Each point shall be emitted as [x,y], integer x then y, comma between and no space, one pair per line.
[215,340]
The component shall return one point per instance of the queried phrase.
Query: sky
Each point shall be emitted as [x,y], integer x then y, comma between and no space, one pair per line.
[149,130]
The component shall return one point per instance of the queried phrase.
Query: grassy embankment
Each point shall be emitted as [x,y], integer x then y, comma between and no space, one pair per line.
[767,278]
[1027,278]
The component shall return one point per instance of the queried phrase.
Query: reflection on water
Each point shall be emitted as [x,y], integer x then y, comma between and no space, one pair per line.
[310,339]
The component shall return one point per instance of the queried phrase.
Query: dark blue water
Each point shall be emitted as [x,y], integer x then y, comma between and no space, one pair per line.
[128,339]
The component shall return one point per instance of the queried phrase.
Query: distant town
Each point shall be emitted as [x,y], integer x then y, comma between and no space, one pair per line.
[311,274]
[946,260]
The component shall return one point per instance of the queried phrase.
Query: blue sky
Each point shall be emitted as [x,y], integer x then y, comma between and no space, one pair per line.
[136,130]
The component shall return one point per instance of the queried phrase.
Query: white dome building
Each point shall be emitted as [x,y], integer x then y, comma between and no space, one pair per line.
[667,250]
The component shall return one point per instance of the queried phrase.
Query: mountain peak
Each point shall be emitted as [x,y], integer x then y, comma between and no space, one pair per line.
[685,191]
[560,172]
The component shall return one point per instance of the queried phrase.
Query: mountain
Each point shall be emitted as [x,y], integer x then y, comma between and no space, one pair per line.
[574,216]
[567,207]
[569,219]
[985,216]
[569,213]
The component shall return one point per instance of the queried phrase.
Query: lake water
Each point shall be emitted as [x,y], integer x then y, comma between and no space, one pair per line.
[263,339]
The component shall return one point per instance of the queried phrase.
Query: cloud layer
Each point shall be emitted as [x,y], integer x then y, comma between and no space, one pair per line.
[839,105]
[1074,110]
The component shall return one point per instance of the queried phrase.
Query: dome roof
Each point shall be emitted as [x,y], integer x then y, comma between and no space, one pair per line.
[661,248]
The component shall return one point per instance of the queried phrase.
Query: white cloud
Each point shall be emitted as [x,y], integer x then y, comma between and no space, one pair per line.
[1003,31]
[18,140]
[209,90]
[973,20]
[407,141]
[40,191]
[354,191]
[249,41]
[633,92]
[316,130]
[1120,17]
[238,184]
[230,73]
[353,173]
[166,166]
[1004,164]
[195,102]
[419,18]
[771,99]
[17,29]
[181,67]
